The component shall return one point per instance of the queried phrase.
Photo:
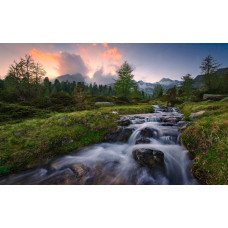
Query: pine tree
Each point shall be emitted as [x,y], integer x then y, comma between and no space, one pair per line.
[125,83]
[208,68]
[158,91]
[187,85]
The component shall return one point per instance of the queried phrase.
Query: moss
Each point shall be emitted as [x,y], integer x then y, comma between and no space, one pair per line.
[207,139]
[35,141]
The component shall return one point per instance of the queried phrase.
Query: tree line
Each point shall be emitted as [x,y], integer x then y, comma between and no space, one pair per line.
[211,82]
[26,81]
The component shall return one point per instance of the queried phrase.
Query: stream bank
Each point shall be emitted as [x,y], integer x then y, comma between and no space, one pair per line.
[145,149]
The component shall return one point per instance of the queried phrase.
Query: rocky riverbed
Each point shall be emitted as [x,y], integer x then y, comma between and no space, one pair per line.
[145,149]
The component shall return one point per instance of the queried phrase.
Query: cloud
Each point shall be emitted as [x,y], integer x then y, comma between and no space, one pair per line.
[71,64]
[105,44]
[44,56]
[112,54]
[100,78]
[83,50]
[61,63]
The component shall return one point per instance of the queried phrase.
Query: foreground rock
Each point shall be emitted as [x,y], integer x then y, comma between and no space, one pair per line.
[149,132]
[80,170]
[149,158]
[65,176]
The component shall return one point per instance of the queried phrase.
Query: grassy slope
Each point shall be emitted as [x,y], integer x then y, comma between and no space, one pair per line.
[207,139]
[33,142]
[14,113]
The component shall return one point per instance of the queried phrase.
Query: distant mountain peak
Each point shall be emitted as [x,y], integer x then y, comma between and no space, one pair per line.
[71,77]
[166,83]
[165,79]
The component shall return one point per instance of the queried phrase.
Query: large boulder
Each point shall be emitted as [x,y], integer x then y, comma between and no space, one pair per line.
[214,97]
[149,132]
[196,114]
[104,104]
[149,157]
[120,135]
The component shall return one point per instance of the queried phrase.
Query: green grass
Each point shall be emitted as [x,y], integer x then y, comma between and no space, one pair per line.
[35,141]
[14,113]
[207,139]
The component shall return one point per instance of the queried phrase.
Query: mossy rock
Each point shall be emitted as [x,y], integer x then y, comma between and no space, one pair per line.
[104,104]
[225,99]
[214,97]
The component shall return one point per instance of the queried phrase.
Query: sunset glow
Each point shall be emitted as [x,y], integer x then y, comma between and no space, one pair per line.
[151,62]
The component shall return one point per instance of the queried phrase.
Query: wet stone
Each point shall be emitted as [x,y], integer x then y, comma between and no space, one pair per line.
[124,122]
[149,132]
[65,176]
[149,157]
[79,169]
[168,124]
[181,123]
[142,141]
[170,120]
[121,135]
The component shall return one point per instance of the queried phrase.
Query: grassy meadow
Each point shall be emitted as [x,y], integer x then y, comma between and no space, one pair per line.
[29,142]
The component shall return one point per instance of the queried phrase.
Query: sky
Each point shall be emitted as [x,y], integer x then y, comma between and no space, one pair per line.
[98,62]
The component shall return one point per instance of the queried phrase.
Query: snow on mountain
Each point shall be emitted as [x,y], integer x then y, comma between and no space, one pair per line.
[166,83]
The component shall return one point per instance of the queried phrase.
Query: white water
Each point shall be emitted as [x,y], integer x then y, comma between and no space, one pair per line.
[113,163]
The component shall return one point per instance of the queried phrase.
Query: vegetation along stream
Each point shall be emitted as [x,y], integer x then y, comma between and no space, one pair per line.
[145,149]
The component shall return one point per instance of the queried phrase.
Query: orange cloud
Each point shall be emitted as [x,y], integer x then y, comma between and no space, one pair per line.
[94,44]
[50,61]
[112,54]
[44,56]
[105,44]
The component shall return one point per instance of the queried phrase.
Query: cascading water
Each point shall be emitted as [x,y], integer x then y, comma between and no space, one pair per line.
[113,163]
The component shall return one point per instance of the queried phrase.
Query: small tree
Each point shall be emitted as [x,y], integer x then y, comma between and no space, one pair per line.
[124,84]
[28,75]
[208,68]
[158,91]
[173,92]
[187,85]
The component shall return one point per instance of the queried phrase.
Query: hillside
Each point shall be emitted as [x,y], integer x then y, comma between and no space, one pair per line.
[206,140]
[198,79]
